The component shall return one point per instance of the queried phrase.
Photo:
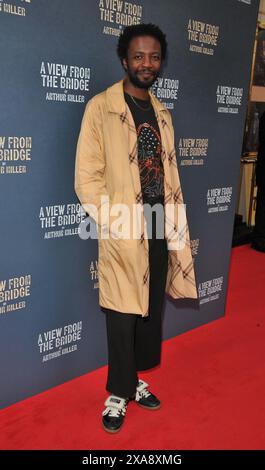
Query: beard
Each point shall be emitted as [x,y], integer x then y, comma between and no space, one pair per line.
[144,83]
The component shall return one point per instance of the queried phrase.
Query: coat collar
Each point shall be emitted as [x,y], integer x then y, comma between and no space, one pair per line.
[117,104]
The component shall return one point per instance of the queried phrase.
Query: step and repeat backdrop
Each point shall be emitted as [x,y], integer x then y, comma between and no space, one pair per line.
[56,55]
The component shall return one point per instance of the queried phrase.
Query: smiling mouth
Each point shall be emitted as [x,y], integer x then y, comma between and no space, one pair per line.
[146,74]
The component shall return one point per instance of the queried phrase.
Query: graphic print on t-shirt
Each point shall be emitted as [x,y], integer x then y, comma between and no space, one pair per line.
[149,160]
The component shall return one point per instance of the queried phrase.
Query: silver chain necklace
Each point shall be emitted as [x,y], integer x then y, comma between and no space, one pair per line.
[139,106]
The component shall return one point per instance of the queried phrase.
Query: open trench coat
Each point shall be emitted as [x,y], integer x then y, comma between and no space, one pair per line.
[107,165]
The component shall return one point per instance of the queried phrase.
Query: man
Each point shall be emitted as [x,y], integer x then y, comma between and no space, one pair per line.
[126,157]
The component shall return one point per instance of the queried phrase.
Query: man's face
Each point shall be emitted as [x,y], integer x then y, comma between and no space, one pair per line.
[143,61]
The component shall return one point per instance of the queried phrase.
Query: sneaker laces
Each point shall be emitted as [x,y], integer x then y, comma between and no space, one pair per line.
[141,390]
[115,406]
[144,393]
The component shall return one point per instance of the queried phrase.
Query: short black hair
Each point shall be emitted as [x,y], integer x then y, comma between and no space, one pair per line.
[143,29]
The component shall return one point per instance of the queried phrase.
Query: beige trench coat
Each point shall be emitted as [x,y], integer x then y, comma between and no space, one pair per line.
[107,164]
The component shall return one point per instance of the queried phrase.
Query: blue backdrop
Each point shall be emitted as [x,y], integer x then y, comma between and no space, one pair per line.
[55,55]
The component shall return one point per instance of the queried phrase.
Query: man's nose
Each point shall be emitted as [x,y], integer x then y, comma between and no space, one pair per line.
[147,61]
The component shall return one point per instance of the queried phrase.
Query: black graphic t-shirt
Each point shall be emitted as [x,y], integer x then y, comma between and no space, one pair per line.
[149,150]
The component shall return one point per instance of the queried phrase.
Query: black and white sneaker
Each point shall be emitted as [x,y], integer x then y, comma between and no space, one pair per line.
[114,413]
[145,398]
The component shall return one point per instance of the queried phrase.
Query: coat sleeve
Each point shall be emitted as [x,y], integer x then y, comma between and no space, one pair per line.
[90,184]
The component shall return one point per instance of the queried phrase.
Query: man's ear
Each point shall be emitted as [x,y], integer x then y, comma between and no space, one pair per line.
[124,63]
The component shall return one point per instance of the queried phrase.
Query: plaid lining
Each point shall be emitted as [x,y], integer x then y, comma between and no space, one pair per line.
[177,196]
[172,157]
[146,276]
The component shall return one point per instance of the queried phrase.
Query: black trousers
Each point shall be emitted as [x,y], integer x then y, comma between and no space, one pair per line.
[134,342]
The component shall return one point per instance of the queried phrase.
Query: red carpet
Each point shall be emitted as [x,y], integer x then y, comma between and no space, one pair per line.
[211,383]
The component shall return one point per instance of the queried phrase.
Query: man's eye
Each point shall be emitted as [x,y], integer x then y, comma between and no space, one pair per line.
[138,57]
[156,57]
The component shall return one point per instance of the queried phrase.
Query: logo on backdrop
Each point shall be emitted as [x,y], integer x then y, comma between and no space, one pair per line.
[12,291]
[59,341]
[18,8]
[192,151]
[68,82]
[203,37]
[194,244]
[116,13]
[229,99]
[93,269]
[61,220]
[247,2]
[210,290]
[219,199]
[166,89]
[15,154]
